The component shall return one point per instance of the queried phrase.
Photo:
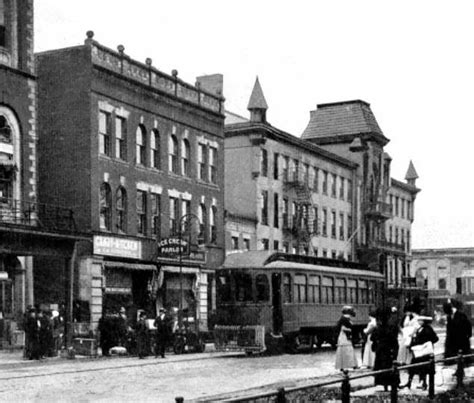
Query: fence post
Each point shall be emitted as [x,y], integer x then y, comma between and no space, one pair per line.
[346,388]
[179,399]
[460,370]
[280,398]
[431,378]
[395,383]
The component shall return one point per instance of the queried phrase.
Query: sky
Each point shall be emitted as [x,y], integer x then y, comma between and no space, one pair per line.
[411,60]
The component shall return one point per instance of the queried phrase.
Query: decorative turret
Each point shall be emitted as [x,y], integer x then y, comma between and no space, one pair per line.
[411,175]
[257,104]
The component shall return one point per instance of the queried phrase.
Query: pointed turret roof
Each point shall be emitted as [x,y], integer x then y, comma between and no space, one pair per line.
[411,172]
[257,99]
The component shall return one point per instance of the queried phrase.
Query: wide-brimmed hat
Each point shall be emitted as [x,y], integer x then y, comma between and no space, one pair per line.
[162,310]
[424,318]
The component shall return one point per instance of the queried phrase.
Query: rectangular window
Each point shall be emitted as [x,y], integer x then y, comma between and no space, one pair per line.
[104,133]
[202,162]
[185,209]
[313,289]
[264,162]
[333,185]
[300,288]
[409,212]
[120,138]
[333,254]
[174,215]
[342,187]
[328,290]
[333,224]
[349,190]
[296,171]
[141,212]
[325,252]
[341,226]
[275,210]
[325,222]
[286,247]
[213,164]
[363,292]
[340,291]
[286,218]
[402,205]
[316,180]
[275,166]
[155,161]
[316,221]
[396,206]
[352,291]
[305,174]
[287,288]
[325,182]
[265,244]
[155,201]
[246,243]
[349,226]
[264,212]
[284,169]
[276,245]
[235,242]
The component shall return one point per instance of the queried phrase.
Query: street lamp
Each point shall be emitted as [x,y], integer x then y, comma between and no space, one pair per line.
[185,220]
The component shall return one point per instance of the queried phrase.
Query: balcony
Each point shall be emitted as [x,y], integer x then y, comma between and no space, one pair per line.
[384,245]
[378,210]
[408,283]
[40,216]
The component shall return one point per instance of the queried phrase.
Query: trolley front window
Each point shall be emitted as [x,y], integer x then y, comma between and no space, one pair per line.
[363,292]
[223,288]
[328,290]
[263,289]
[300,288]
[286,288]
[340,291]
[313,289]
[352,291]
[243,287]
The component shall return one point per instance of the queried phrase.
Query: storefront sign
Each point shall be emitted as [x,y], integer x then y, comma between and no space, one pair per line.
[121,247]
[172,247]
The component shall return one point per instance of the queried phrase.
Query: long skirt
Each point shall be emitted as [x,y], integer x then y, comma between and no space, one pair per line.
[368,359]
[405,355]
[345,355]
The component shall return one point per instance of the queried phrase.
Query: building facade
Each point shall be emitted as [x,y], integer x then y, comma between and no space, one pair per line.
[328,193]
[139,155]
[445,273]
[27,228]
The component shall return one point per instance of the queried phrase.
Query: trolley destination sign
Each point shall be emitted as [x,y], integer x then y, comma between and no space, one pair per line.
[172,247]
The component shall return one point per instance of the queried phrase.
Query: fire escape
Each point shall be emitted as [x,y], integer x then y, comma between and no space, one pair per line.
[299,221]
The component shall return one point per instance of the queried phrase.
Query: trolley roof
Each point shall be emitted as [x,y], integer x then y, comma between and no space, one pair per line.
[277,260]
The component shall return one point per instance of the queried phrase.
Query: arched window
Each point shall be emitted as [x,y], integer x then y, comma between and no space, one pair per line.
[121,209]
[155,149]
[213,224]
[105,206]
[10,158]
[185,153]
[173,154]
[202,214]
[141,145]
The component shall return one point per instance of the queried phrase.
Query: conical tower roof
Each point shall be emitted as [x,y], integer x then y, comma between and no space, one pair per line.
[257,99]
[411,172]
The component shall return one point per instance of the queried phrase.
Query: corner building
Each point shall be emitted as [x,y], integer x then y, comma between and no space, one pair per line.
[328,193]
[133,150]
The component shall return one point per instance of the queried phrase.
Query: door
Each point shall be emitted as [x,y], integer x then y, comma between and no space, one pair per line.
[276,303]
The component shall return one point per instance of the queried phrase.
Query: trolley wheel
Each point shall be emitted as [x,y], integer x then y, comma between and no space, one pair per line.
[178,346]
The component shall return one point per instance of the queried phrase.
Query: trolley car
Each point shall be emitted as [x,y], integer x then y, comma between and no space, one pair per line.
[279,302]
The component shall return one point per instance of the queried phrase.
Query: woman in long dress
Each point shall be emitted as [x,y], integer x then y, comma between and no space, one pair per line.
[368,358]
[345,355]
[408,328]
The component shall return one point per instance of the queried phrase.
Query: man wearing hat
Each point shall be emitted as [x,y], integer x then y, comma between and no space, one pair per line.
[163,332]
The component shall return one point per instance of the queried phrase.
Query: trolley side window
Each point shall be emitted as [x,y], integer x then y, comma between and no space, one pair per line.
[243,287]
[328,290]
[372,292]
[262,288]
[352,291]
[300,288]
[223,288]
[340,291]
[363,292]
[313,289]
[287,288]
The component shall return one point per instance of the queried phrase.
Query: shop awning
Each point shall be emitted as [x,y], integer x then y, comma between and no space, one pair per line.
[176,269]
[130,266]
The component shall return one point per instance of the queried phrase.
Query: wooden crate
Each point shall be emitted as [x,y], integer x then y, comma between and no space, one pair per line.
[83,346]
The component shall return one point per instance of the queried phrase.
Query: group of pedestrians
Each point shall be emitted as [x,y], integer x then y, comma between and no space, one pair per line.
[409,341]
[163,324]
[42,330]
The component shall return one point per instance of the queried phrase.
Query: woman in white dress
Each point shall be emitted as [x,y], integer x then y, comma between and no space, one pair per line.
[368,358]
[345,355]
[409,326]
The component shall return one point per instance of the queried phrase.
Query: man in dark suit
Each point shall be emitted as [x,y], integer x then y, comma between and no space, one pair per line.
[458,330]
[163,332]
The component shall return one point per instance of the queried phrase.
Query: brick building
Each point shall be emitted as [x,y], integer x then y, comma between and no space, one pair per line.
[27,228]
[328,193]
[139,155]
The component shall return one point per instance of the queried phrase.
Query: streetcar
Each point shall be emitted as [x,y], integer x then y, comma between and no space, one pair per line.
[279,302]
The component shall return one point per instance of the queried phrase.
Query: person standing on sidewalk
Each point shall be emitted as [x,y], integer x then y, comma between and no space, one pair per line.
[368,357]
[163,330]
[458,330]
[141,330]
[409,326]
[345,355]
